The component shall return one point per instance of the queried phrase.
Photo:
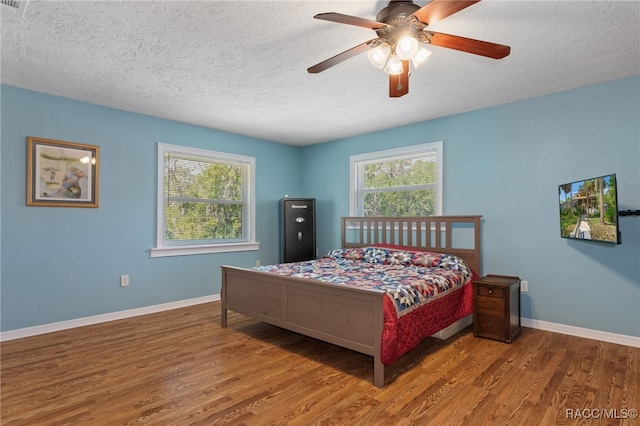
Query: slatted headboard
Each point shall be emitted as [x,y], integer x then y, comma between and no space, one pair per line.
[457,235]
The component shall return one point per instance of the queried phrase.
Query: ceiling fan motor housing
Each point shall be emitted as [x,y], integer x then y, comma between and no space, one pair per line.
[396,12]
[399,19]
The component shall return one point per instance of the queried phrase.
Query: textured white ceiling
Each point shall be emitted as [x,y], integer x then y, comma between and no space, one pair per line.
[240,66]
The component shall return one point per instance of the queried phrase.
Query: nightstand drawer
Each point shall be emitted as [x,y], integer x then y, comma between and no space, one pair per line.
[484,290]
[490,305]
[488,324]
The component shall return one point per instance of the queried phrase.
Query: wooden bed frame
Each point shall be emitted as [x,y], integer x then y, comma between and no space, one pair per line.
[346,316]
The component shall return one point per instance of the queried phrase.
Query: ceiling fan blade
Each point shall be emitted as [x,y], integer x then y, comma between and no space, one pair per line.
[350,20]
[469,45]
[437,10]
[399,84]
[340,57]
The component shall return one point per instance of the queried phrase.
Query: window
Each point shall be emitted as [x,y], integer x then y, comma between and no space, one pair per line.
[205,202]
[398,182]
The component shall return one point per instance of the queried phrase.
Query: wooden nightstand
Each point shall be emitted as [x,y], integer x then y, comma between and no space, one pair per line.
[496,307]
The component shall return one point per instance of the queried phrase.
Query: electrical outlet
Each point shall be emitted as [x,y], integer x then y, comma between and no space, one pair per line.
[524,286]
[124,280]
[258,262]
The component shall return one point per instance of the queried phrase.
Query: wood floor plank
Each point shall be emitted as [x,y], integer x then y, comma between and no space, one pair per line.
[180,367]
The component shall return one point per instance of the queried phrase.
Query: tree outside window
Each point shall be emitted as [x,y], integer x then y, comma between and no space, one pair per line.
[400,182]
[205,198]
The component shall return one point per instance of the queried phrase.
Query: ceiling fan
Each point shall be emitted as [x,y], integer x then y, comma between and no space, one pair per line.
[402,29]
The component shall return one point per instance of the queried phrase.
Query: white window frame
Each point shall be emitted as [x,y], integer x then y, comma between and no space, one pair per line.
[248,241]
[356,184]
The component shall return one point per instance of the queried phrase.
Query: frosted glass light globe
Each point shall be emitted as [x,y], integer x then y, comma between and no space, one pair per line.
[406,47]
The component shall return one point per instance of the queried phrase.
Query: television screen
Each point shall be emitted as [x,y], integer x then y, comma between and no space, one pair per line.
[589,210]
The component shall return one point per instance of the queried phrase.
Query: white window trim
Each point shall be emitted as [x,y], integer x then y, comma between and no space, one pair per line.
[392,153]
[162,250]
[203,249]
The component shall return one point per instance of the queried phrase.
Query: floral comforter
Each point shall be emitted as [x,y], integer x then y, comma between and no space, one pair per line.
[410,279]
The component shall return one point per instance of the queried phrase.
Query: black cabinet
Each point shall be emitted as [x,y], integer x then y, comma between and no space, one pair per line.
[298,229]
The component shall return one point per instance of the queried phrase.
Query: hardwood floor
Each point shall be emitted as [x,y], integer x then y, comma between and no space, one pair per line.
[181,368]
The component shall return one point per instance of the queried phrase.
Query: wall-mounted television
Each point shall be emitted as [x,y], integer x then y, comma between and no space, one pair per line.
[589,210]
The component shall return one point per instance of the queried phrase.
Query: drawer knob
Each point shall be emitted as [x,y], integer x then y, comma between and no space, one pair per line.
[491,306]
[490,323]
[490,291]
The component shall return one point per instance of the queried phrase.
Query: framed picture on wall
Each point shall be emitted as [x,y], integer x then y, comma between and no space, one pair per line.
[61,174]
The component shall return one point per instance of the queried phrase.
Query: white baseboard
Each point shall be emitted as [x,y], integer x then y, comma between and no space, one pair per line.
[604,336]
[96,319]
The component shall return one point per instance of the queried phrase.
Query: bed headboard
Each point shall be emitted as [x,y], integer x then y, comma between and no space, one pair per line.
[457,235]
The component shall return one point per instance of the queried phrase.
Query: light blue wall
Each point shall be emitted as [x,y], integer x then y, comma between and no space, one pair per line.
[64,263]
[506,163]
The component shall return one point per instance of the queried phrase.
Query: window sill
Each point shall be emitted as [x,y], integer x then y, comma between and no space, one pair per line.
[204,249]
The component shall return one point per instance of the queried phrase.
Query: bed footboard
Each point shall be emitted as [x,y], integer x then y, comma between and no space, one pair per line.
[350,317]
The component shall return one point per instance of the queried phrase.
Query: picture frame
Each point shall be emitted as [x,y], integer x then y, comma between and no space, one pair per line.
[62,174]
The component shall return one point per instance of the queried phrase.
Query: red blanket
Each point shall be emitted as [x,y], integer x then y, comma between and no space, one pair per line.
[400,335]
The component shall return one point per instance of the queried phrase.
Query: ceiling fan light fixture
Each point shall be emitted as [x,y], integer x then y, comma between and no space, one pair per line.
[394,65]
[378,55]
[407,47]
[420,57]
